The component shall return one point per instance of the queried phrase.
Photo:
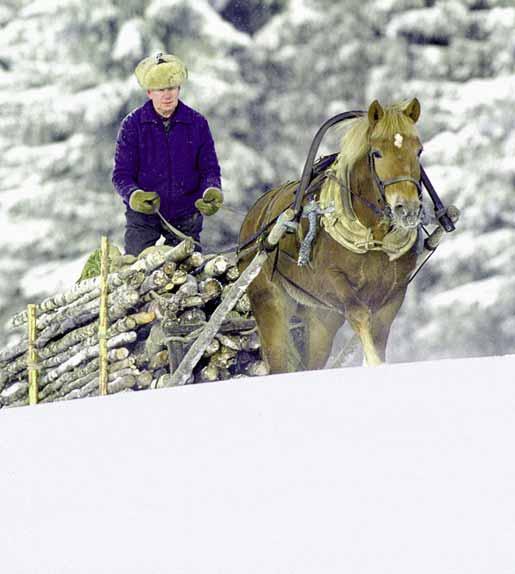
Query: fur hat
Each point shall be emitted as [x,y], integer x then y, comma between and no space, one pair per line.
[160,71]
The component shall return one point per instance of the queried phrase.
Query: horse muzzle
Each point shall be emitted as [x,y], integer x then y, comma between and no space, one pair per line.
[406,214]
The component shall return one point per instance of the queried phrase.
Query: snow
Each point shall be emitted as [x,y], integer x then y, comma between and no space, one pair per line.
[39,7]
[441,21]
[129,42]
[299,12]
[52,277]
[398,469]
[205,20]
[475,294]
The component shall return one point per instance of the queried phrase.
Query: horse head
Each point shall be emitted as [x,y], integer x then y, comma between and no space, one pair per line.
[394,149]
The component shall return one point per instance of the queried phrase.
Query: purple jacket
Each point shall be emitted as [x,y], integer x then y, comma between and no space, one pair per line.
[178,165]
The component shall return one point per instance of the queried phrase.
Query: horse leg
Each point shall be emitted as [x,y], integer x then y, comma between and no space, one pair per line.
[272,312]
[373,329]
[382,322]
[361,323]
[320,328]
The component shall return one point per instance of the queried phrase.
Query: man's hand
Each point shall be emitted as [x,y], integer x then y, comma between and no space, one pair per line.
[147,202]
[212,200]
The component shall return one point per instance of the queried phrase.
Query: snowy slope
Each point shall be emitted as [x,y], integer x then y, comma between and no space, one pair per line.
[399,469]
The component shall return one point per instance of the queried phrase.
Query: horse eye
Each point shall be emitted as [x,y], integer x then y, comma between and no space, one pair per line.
[377,153]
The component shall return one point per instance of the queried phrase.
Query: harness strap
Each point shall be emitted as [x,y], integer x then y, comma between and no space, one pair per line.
[379,212]
[319,302]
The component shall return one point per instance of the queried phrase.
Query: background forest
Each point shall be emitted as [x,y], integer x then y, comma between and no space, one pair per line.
[266,75]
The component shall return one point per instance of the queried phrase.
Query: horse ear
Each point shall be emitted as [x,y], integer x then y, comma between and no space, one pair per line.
[375,113]
[412,110]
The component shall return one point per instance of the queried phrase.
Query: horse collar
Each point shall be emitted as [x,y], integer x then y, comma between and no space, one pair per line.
[345,228]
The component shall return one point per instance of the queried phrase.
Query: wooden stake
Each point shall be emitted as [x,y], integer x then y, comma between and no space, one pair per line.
[32,356]
[103,317]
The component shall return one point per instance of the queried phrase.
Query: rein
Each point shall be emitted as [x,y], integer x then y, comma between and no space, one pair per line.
[307,179]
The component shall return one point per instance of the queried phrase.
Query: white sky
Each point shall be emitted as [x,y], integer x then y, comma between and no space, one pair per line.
[400,469]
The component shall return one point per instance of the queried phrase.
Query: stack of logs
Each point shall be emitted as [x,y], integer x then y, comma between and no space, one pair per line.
[157,305]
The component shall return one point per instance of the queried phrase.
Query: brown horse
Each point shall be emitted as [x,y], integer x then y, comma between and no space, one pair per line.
[364,251]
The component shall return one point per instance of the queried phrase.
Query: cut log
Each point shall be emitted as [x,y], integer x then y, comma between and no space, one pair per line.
[63,299]
[48,318]
[20,390]
[209,373]
[151,261]
[239,287]
[82,334]
[232,273]
[215,267]
[243,305]
[155,280]
[192,316]
[194,261]
[116,384]
[224,358]
[212,348]
[55,390]
[114,340]
[237,325]
[143,380]
[155,342]
[258,369]
[210,289]
[179,277]
[158,361]
[251,342]
[143,317]
[91,352]
[47,387]
[119,302]
[189,287]
[14,350]
[169,268]
[192,301]
[231,341]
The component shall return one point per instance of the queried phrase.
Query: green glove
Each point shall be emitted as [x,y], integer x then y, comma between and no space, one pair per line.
[212,200]
[147,202]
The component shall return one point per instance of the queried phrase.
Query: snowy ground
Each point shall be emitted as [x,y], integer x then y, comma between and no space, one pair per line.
[401,469]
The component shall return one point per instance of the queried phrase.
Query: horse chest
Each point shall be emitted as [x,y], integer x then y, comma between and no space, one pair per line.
[369,279]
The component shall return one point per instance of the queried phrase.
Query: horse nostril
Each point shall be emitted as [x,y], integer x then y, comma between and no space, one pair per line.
[400,210]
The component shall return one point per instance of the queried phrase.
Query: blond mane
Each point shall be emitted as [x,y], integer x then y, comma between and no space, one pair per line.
[354,144]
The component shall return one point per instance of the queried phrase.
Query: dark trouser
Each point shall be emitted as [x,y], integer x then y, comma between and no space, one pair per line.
[142,231]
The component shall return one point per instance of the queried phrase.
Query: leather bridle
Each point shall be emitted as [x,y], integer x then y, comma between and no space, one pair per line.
[382,184]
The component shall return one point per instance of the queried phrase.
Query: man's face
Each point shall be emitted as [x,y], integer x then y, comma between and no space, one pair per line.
[165,100]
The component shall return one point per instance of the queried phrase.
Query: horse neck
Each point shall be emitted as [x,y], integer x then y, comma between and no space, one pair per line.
[363,186]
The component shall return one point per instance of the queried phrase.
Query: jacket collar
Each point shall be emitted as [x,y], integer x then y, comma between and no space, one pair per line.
[182,114]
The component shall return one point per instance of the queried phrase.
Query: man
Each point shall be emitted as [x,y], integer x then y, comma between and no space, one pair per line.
[165,160]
